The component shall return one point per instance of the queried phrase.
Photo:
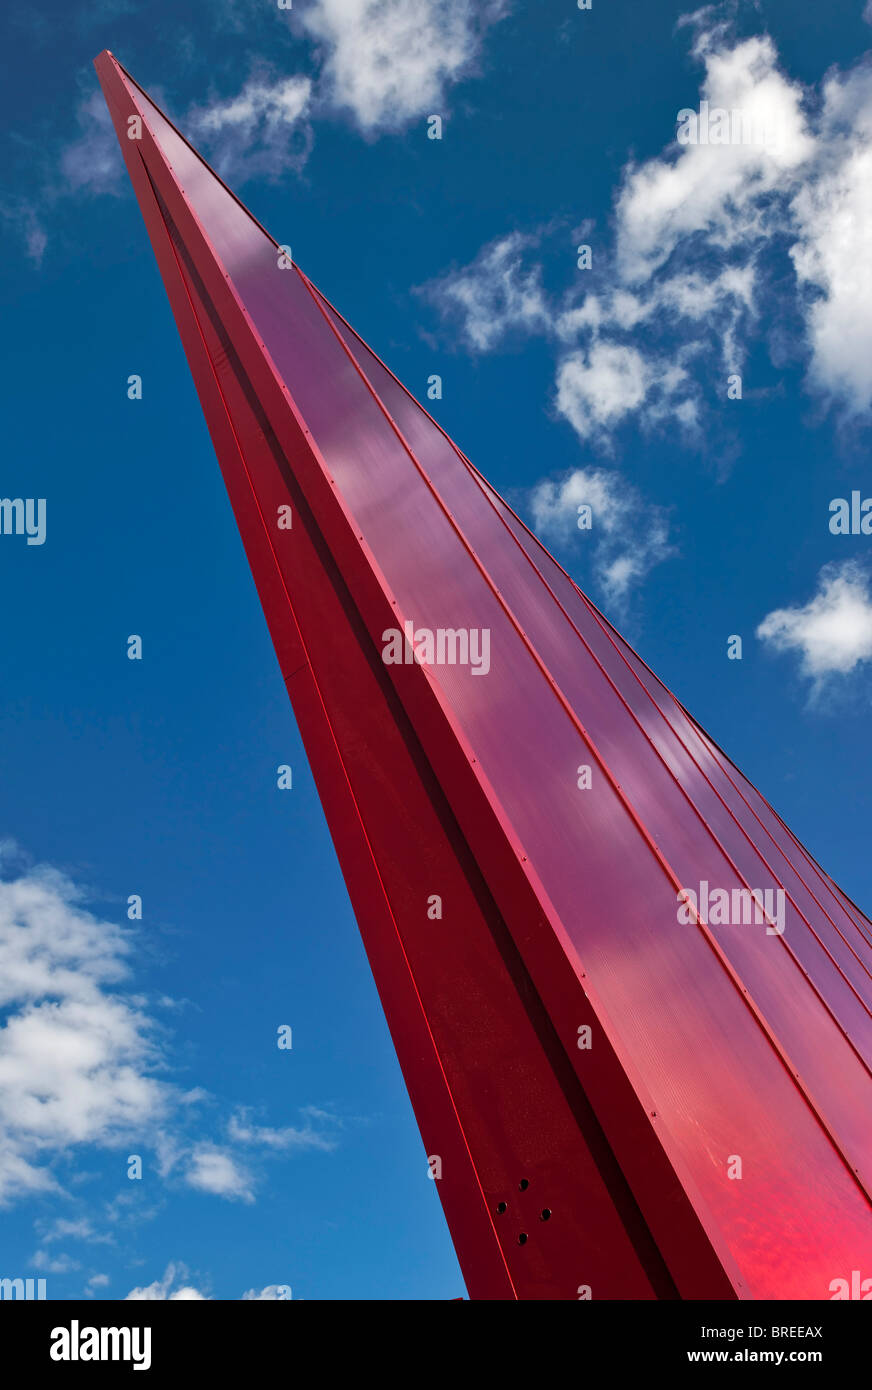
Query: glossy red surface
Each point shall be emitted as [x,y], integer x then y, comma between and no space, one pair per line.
[709,1042]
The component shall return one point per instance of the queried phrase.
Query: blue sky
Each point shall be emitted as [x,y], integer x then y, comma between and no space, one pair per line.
[608,386]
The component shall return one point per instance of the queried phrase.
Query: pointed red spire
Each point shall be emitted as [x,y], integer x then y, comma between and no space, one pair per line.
[631,1011]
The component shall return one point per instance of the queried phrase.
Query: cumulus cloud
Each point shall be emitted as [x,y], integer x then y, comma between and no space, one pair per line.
[713,243]
[832,633]
[77,1054]
[172,1286]
[169,1287]
[607,373]
[831,252]
[81,1057]
[628,537]
[597,388]
[728,208]
[387,61]
[718,190]
[212,1169]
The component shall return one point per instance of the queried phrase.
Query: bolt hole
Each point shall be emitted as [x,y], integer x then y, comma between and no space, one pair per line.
[501,1206]
[522,1238]
[546,1214]
[523,1184]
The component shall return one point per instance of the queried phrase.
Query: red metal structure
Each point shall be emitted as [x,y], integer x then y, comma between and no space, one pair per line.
[624,1096]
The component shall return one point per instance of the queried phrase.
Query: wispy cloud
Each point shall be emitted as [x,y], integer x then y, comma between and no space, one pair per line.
[626,536]
[89,164]
[260,132]
[53,1264]
[382,62]
[80,1228]
[92,162]
[28,226]
[495,296]
[288,1139]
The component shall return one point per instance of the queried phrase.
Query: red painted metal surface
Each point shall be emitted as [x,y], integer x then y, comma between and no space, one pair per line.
[714,1048]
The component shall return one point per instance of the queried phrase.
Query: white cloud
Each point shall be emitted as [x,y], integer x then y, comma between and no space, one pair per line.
[810,189]
[715,189]
[98,1281]
[385,61]
[171,1287]
[92,162]
[628,537]
[164,1288]
[242,1131]
[54,1264]
[614,373]
[388,61]
[260,132]
[23,217]
[596,389]
[494,295]
[79,1228]
[833,213]
[832,633]
[214,1170]
[78,1057]
[75,1053]
[697,265]
[720,307]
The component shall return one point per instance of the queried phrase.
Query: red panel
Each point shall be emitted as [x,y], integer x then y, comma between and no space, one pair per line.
[560,908]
